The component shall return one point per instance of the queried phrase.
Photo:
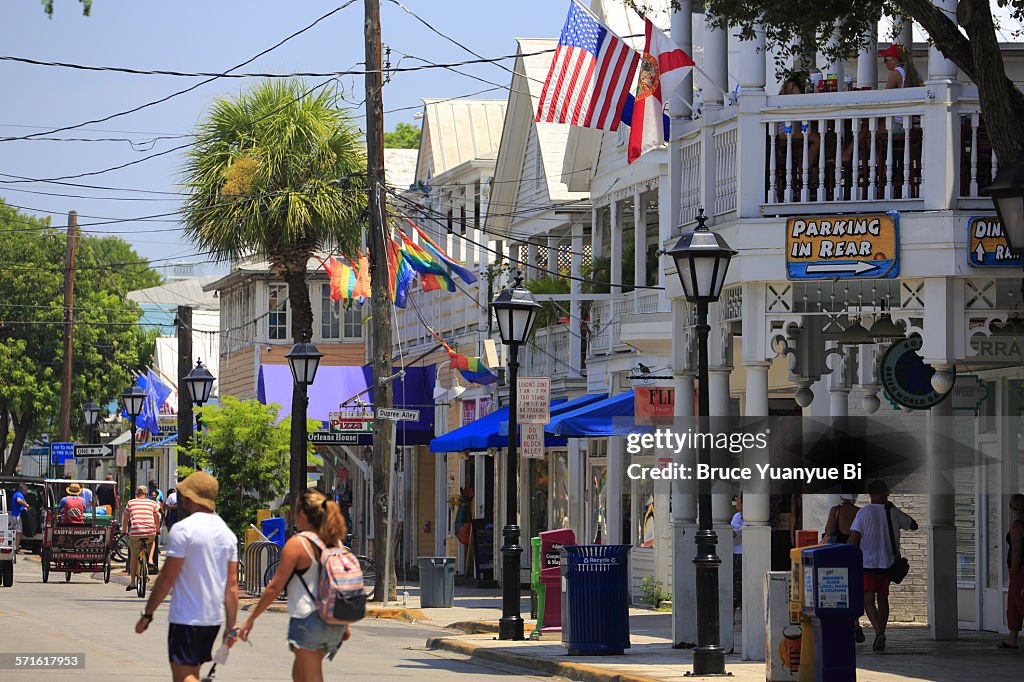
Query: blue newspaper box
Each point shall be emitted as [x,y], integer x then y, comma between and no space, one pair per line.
[274,529]
[833,592]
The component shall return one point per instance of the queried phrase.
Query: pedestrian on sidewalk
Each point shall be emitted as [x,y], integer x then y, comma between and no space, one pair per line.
[737,554]
[321,524]
[837,532]
[202,568]
[18,505]
[1015,562]
[171,507]
[142,519]
[871,530]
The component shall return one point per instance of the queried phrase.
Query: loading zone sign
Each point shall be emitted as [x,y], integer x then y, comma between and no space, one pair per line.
[843,247]
[987,246]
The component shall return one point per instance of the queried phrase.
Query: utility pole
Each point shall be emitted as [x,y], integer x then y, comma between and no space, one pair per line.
[69,301]
[380,303]
[183,321]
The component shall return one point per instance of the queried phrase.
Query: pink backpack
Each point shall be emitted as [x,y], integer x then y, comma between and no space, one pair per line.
[341,598]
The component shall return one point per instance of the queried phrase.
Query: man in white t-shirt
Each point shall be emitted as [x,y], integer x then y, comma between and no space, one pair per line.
[202,567]
[870,530]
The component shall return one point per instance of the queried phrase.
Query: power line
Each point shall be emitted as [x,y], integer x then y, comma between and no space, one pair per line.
[188,89]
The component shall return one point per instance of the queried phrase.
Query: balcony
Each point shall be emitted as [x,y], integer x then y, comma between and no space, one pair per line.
[912,149]
[637,320]
[549,355]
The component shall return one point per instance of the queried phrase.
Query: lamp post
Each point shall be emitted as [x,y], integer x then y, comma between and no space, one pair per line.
[133,398]
[1007,192]
[199,382]
[91,414]
[702,260]
[516,312]
[304,359]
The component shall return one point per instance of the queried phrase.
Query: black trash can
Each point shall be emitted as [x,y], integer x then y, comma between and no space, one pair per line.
[437,582]
[595,599]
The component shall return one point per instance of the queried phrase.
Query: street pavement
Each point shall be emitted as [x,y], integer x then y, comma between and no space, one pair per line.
[97,619]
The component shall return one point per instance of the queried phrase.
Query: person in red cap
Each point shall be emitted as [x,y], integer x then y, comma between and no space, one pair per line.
[901,70]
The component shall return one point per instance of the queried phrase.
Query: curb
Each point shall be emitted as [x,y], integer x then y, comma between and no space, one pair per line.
[474,627]
[567,669]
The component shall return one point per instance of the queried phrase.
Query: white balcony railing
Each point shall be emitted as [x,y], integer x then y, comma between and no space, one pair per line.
[726,138]
[548,354]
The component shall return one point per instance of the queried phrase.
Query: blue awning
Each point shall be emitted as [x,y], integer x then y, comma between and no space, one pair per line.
[165,441]
[335,384]
[610,417]
[491,431]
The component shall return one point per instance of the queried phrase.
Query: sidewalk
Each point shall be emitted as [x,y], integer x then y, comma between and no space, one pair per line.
[909,655]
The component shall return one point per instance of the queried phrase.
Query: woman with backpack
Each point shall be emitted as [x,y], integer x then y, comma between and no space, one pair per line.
[321,526]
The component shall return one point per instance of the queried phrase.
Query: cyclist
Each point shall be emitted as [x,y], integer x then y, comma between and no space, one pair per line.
[142,519]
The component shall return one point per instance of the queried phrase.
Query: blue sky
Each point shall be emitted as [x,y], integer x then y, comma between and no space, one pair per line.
[214,35]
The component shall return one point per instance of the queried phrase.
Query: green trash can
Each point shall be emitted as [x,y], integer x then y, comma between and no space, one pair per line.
[437,582]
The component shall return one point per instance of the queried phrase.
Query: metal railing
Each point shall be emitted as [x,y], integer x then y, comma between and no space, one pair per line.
[257,559]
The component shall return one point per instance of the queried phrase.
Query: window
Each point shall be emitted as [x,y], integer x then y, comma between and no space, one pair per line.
[354,322]
[277,305]
[330,314]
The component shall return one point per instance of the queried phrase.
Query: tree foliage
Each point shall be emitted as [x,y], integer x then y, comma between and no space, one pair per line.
[968,39]
[404,136]
[247,451]
[48,7]
[108,343]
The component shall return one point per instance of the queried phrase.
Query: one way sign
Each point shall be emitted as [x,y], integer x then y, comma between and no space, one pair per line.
[93,451]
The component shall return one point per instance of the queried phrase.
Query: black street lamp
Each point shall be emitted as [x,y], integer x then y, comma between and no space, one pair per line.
[516,311]
[91,414]
[134,398]
[199,382]
[304,359]
[702,260]
[1007,192]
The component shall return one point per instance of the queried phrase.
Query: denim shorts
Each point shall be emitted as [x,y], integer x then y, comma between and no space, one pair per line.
[313,633]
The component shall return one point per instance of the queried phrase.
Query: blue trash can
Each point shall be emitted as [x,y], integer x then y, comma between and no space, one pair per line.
[274,529]
[595,599]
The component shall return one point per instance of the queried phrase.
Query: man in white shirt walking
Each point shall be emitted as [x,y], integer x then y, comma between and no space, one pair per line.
[870,530]
[202,567]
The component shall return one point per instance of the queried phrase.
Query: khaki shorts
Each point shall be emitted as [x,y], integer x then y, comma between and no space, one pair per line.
[14,523]
[135,544]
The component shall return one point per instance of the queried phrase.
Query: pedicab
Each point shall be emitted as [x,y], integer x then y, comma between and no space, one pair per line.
[72,545]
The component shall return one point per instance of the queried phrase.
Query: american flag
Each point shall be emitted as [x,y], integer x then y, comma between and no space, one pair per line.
[590,75]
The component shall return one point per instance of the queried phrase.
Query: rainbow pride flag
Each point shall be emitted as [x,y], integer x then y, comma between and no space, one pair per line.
[432,272]
[342,279]
[471,368]
[438,253]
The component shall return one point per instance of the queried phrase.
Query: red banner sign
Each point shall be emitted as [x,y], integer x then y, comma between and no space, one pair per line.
[654,404]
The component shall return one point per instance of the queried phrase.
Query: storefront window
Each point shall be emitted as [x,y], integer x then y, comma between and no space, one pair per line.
[645,514]
[539,495]
[597,488]
[964,502]
[559,489]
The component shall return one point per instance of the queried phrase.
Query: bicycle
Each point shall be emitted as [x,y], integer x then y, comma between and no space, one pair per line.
[142,575]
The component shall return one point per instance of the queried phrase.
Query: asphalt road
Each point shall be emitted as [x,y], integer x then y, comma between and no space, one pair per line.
[89,617]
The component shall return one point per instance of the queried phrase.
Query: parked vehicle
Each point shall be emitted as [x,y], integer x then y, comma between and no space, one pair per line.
[7,553]
[32,519]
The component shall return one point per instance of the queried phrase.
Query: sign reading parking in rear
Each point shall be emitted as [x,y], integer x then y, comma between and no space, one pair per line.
[843,246]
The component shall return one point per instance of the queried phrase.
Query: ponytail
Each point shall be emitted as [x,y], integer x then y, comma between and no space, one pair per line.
[325,515]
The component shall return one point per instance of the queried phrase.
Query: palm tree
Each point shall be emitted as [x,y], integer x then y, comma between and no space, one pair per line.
[277,173]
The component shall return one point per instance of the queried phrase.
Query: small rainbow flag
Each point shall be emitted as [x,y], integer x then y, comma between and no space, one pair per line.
[432,271]
[439,254]
[472,369]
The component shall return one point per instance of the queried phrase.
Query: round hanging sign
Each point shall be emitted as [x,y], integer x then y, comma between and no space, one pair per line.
[906,378]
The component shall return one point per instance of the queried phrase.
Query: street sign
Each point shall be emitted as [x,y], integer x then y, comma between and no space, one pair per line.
[121,458]
[59,452]
[397,414]
[534,396]
[328,438]
[70,468]
[351,422]
[82,451]
[843,247]
[987,246]
[531,441]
